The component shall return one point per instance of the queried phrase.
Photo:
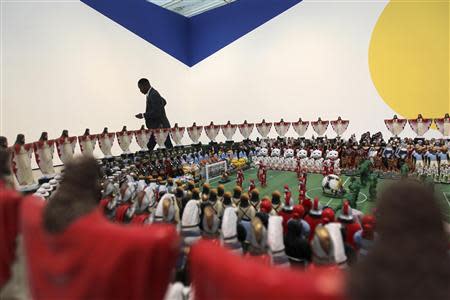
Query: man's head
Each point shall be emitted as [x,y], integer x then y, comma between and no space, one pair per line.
[144,85]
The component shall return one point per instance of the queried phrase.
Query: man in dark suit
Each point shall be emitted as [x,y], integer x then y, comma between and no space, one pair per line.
[155,113]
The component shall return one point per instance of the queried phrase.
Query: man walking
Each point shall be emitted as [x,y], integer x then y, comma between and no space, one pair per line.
[155,113]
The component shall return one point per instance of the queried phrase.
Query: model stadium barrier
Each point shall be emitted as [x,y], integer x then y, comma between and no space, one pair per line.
[65,145]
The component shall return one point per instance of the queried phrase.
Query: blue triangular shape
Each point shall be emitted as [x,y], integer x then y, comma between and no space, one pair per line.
[191,40]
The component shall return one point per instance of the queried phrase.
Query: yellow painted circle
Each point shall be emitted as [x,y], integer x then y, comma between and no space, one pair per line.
[409,57]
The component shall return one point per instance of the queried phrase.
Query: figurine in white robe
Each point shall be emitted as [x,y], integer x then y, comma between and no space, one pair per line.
[43,152]
[87,143]
[65,146]
[263,128]
[21,161]
[142,137]
[124,138]
[443,125]
[105,142]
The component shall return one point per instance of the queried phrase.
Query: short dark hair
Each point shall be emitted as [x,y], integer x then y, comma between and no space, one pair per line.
[410,236]
[143,81]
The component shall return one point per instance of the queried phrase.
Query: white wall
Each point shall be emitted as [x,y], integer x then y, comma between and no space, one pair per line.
[65,66]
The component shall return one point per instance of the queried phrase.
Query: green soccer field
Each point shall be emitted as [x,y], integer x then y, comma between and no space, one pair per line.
[277,179]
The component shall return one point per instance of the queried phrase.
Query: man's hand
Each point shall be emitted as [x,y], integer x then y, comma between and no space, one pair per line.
[139,116]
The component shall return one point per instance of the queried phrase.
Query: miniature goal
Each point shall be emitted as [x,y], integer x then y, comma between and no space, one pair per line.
[215,170]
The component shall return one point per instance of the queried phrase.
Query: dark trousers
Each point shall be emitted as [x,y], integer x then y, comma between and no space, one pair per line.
[152,143]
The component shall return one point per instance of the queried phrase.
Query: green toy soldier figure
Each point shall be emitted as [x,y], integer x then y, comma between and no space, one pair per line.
[373,182]
[354,189]
[404,170]
[365,171]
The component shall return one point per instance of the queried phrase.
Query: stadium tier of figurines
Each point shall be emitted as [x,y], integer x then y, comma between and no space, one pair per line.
[396,157]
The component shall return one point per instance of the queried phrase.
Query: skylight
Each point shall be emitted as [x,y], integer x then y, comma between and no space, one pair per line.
[190,8]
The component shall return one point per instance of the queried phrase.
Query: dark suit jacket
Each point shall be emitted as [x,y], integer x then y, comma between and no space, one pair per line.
[155,113]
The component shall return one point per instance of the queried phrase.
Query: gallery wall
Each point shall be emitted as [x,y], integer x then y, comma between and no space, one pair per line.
[66,66]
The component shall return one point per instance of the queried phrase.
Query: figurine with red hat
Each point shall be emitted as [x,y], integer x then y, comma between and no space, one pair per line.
[351,226]
[266,206]
[307,205]
[302,184]
[328,215]
[262,174]
[287,210]
[239,177]
[297,215]
[287,195]
[314,216]
[365,238]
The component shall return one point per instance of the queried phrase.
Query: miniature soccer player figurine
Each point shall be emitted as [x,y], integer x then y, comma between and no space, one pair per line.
[21,161]
[87,143]
[287,195]
[65,146]
[262,174]
[239,178]
[252,186]
[43,152]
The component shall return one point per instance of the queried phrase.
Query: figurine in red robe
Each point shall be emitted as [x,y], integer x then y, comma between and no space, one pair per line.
[351,226]
[75,253]
[262,174]
[10,202]
[239,178]
[252,186]
[228,275]
[314,217]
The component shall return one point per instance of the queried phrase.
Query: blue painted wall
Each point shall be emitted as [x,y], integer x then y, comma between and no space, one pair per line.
[215,29]
[191,40]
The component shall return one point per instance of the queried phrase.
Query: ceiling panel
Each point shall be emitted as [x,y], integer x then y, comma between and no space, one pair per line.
[190,8]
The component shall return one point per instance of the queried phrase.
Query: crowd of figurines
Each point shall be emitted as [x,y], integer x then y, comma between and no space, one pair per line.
[168,186]
[350,154]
